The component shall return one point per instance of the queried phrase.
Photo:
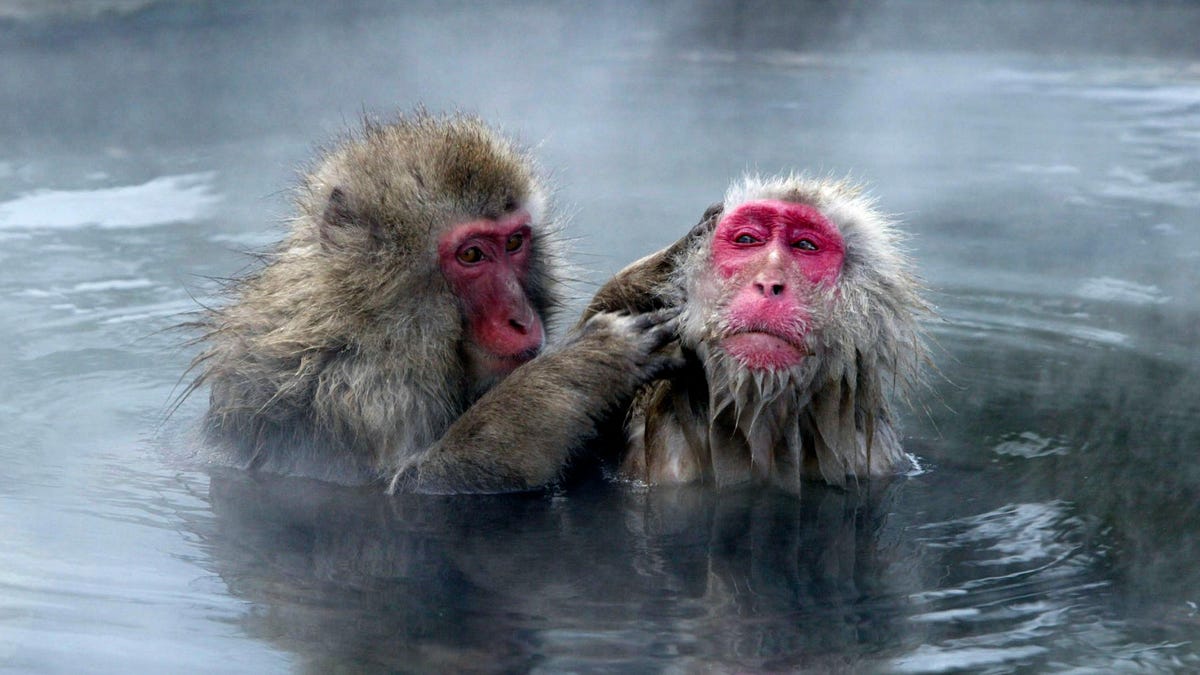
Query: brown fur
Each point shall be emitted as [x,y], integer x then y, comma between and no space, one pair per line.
[830,416]
[340,358]
[343,357]
[522,433]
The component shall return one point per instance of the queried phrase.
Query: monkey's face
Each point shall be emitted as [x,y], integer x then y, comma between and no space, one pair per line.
[487,263]
[773,263]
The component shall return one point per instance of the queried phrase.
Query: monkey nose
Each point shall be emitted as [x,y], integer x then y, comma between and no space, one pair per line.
[770,289]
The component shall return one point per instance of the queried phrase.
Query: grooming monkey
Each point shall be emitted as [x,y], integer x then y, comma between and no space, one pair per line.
[393,332]
[799,323]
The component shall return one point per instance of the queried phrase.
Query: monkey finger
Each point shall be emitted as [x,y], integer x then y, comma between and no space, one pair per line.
[707,222]
[661,369]
[665,360]
[659,327]
[661,335]
[659,317]
[700,229]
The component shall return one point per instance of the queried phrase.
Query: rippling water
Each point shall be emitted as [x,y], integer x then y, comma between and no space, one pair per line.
[1055,208]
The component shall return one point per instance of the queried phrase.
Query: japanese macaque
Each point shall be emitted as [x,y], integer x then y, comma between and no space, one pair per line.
[799,323]
[394,331]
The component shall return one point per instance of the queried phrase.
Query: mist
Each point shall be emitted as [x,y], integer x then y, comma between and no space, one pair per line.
[1041,156]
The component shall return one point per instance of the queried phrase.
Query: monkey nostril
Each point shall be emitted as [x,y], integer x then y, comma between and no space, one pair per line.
[769,289]
[518,326]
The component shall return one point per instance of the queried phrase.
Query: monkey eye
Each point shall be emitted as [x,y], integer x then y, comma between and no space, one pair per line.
[745,239]
[471,255]
[514,243]
[805,245]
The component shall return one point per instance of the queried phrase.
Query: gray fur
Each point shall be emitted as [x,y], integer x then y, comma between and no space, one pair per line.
[340,358]
[522,433]
[828,417]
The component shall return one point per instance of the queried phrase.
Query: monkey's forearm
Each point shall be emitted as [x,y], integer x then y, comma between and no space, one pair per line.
[633,289]
[520,435]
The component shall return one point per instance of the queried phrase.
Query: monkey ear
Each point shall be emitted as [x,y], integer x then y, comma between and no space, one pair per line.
[335,218]
[337,209]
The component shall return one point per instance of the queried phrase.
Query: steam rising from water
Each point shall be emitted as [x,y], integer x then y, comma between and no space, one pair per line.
[1052,192]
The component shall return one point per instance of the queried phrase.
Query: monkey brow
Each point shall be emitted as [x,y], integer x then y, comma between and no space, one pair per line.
[775,210]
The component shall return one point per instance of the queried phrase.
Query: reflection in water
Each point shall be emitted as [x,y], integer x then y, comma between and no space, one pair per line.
[1069,549]
[1053,201]
[613,576]
[606,576]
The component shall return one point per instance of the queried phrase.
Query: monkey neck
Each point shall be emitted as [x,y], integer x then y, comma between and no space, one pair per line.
[719,422]
[746,422]
[782,426]
[753,433]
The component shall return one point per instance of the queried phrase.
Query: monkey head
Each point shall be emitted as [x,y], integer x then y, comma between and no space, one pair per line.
[772,259]
[422,267]
[427,214]
[801,307]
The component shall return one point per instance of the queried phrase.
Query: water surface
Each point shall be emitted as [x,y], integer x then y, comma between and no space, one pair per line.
[1054,201]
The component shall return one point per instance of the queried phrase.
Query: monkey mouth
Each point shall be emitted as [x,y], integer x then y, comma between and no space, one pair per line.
[763,350]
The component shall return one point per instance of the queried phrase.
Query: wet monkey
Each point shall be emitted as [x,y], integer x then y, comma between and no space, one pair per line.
[391,337]
[799,325]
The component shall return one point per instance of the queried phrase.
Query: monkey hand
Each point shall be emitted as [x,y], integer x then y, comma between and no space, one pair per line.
[648,341]
[649,284]
[520,435]
[700,230]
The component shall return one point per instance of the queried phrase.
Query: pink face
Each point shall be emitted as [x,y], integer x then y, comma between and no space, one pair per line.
[487,264]
[771,254]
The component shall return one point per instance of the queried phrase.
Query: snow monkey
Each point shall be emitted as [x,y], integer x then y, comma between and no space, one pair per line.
[393,333]
[799,322]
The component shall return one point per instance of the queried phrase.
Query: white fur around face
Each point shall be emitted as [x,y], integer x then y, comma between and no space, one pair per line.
[865,347]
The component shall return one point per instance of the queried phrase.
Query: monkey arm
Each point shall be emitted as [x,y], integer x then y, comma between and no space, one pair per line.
[521,433]
[640,286]
[633,289]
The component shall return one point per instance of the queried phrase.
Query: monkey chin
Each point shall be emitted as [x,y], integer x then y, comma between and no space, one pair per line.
[486,368]
[763,351]
[503,364]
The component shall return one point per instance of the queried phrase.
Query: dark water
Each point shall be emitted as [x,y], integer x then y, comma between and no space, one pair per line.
[1054,198]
